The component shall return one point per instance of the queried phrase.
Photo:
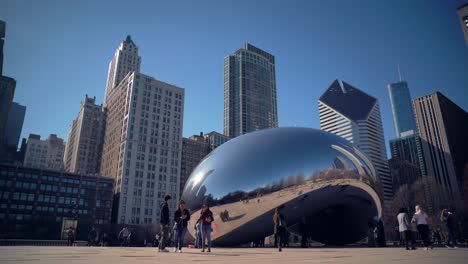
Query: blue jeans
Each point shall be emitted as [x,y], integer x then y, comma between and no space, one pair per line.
[206,235]
[179,239]
[198,239]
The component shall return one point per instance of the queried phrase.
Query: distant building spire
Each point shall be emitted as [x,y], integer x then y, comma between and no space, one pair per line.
[399,73]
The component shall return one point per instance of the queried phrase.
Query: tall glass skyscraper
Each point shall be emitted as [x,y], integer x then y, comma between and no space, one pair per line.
[249,91]
[402,108]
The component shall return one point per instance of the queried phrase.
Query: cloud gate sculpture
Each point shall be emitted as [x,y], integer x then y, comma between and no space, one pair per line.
[325,187]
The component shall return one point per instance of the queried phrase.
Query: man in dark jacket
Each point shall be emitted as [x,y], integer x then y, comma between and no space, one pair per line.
[164,224]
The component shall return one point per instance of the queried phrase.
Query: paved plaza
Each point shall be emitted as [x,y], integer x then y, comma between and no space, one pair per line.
[103,255]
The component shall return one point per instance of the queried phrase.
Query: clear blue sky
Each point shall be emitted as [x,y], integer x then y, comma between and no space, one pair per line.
[58,51]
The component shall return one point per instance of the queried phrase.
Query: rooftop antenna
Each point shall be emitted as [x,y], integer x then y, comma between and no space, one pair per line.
[399,73]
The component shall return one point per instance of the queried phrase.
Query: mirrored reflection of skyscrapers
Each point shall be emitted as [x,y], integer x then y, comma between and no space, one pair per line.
[354,115]
[249,91]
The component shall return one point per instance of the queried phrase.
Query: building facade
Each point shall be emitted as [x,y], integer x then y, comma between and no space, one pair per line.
[85,139]
[44,154]
[354,115]
[443,127]
[7,91]
[34,203]
[463,17]
[125,60]
[409,148]
[14,125]
[249,91]
[142,146]
[2,43]
[402,108]
[194,149]
[215,139]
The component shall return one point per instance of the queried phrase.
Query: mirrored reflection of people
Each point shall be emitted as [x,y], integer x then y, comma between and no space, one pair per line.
[379,233]
[206,218]
[279,229]
[181,217]
[70,236]
[421,219]
[198,234]
[164,224]
[448,218]
[404,226]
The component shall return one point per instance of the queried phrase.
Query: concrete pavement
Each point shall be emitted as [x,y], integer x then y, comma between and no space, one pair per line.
[104,255]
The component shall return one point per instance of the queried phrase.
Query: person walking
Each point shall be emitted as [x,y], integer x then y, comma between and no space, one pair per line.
[92,237]
[164,224]
[420,218]
[279,229]
[181,218]
[70,236]
[123,234]
[404,226]
[448,218]
[206,218]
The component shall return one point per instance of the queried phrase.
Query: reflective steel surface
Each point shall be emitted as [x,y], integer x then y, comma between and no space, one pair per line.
[324,186]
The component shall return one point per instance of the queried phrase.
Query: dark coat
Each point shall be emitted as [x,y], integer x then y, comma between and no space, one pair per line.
[280,227]
[181,223]
[164,220]
[206,214]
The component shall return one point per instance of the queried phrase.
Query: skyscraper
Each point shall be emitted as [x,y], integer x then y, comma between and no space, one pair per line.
[354,115]
[443,128]
[7,91]
[249,91]
[463,17]
[14,125]
[125,60]
[44,154]
[142,146]
[402,108]
[85,139]
[2,43]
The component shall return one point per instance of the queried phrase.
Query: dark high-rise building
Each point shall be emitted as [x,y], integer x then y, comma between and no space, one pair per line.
[249,91]
[402,108]
[14,125]
[2,42]
[194,149]
[34,203]
[463,17]
[354,115]
[409,148]
[7,91]
[443,127]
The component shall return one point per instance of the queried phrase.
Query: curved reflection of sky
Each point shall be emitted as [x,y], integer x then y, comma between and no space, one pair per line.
[264,157]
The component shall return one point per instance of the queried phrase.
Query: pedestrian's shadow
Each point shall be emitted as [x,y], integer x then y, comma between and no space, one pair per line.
[237,217]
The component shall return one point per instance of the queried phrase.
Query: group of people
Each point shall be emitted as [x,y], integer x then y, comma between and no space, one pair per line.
[181,219]
[422,221]
[96,238]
